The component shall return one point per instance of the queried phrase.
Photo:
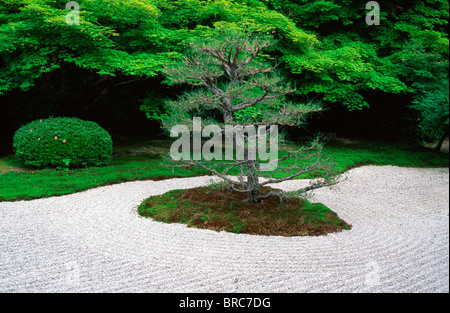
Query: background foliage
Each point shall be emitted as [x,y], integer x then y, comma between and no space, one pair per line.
[385,81]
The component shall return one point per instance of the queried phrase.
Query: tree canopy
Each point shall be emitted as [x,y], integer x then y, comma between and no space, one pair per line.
[324,46]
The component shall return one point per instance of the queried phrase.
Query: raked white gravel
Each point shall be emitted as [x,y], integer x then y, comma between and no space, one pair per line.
[94,241]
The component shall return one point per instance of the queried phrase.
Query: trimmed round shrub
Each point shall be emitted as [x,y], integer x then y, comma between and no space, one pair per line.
[63,142]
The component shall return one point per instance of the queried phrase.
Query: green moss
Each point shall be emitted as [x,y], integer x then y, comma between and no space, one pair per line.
[33,184]
[19,182]
[224,210]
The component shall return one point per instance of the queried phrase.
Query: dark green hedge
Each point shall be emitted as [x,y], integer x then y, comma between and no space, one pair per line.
[63,142]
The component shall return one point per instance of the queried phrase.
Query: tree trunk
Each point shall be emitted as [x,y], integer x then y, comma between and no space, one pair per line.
[227,110]
[253,187]
[441,141]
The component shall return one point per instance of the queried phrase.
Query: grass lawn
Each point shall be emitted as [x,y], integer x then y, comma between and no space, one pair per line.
[142,161]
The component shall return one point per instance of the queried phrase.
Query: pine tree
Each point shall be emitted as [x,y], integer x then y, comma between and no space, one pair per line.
[235,86]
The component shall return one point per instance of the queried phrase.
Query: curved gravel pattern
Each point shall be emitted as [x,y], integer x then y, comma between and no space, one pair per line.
[95,241]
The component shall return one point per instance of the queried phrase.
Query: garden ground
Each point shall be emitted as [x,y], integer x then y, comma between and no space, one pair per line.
[141,160]
[95,241]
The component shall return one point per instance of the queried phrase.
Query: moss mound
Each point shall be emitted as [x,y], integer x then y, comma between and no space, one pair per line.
[225,210]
